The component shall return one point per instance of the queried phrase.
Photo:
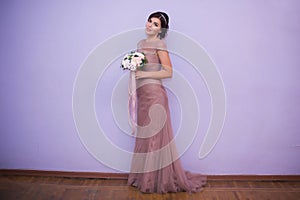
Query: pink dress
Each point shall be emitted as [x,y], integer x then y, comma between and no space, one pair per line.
[151,171]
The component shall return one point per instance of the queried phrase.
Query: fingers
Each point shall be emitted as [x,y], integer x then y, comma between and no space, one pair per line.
[137,75]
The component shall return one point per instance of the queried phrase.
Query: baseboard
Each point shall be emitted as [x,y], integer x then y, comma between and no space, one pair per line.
[104,175]
[68,174]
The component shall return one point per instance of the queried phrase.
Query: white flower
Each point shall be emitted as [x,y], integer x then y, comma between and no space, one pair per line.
[133,60]
[136,60]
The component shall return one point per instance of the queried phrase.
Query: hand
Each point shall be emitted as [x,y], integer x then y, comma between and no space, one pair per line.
[139,74]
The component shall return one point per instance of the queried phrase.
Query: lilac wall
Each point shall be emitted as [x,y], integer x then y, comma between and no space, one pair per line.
[255,45]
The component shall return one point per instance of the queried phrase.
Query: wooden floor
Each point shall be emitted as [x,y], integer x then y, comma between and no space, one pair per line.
[33,187]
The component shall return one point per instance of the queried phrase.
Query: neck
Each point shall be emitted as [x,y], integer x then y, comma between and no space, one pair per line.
[150,37]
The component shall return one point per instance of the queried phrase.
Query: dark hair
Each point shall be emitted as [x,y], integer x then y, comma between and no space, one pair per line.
[164,21]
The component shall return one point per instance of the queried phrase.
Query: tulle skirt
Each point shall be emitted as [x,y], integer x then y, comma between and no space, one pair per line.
[155,165]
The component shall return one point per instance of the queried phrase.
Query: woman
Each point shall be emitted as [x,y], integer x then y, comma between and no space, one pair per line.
[155,164]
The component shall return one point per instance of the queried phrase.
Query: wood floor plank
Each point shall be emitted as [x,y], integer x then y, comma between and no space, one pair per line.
[54,188]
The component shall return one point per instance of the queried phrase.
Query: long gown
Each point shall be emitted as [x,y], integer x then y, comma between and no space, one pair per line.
[154,170]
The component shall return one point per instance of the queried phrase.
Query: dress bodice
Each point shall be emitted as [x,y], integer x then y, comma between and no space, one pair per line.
[150,48]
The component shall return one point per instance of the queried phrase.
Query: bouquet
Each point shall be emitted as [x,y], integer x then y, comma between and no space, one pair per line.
[133,60]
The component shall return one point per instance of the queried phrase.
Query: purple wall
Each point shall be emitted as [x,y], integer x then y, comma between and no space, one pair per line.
[255,45]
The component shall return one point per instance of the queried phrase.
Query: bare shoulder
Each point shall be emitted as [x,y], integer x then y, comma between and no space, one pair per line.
[161,45]
[140,43]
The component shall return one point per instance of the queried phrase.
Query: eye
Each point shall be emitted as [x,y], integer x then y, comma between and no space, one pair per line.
[149,20]
[156,24]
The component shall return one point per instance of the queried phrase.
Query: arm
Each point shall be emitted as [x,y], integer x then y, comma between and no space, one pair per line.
[165,72]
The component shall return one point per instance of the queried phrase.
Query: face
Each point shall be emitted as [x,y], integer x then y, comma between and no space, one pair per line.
[153,26]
